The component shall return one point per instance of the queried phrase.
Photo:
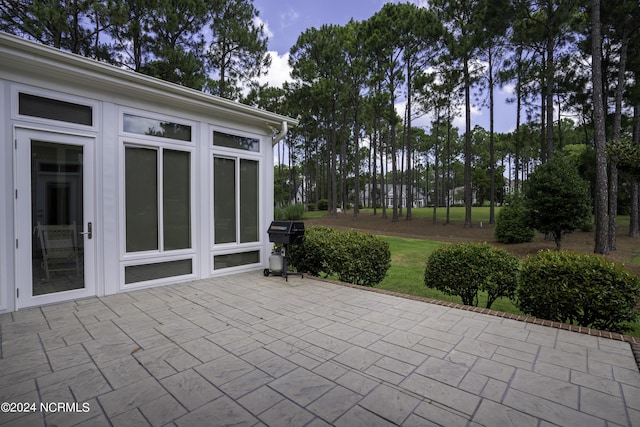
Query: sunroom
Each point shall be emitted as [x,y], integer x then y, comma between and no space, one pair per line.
[116,181]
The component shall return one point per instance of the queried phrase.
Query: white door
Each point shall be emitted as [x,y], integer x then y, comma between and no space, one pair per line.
[55,247]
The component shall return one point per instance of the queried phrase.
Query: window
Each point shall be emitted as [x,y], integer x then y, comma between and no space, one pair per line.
[248,201]
[54,109]
[160,270]
[235,260]
[153,127]
[221,139]
[141,198]
[224,200]
[157,199]
[235,200]
[176,199]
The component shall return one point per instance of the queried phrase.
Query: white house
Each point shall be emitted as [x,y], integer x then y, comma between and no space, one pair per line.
[386,192]
[113,181]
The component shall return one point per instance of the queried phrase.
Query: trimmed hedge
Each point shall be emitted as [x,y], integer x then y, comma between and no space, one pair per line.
[323,204]
[354,256]
[578,288]
[464,269]
[313,256]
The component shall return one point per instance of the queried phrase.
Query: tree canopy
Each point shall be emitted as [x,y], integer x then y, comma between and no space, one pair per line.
[359,91]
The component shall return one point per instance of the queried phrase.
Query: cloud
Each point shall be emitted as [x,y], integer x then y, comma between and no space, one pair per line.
[508,89]
[279,72]
[257,22]
[288,18]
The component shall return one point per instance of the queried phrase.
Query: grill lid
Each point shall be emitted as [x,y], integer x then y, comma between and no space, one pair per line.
[286,232]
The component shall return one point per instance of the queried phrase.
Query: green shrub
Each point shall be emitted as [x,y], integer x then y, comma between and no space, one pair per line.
[588,225]
[354,256]
[578,288]
[511,222]
[288,213]
[294,212]
[323,204]
[463,269]
[314,254]
[312,207]
[278,214]
[361,258]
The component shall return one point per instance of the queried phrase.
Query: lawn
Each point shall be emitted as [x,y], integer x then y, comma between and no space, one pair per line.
[456,213]
[406,275]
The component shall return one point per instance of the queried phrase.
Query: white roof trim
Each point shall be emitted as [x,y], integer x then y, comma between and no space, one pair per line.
[44,60]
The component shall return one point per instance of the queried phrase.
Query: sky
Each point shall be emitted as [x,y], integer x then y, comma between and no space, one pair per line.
[285,20]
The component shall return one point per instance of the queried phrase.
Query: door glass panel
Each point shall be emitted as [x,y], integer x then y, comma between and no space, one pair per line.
[224,200]
[57,217]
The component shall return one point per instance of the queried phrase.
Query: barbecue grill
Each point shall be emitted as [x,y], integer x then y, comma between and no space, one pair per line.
[286,233]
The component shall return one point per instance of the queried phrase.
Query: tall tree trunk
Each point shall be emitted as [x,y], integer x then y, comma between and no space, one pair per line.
[344,198]
[401,198]
[436,196]
[492,166]
[448,165]
[374,196]
[634,221]
[334,174]
[356,178]
[518,119]
[602,216]
[467,145]
[549,83]
[409,196]
[383,179]
[394,174]
[543,129]
[617,126]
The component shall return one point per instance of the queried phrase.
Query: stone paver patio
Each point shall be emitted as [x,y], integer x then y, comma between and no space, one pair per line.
[253,350]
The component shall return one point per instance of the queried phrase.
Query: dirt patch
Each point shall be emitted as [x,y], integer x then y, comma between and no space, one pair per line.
[422,228]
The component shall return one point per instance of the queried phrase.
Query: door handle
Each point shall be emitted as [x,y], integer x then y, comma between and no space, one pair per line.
[89,232]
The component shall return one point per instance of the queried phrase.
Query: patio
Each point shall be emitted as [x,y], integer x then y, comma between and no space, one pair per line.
[253,350]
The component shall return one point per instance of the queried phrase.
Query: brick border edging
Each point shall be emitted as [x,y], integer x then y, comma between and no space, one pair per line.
[634,342]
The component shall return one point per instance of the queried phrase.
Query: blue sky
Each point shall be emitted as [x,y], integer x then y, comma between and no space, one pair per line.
[285,20]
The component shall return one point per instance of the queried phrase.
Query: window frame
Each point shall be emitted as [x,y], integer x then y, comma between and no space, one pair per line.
[160,251]
[95,106]
[160,117]
[129,139]
[236,155]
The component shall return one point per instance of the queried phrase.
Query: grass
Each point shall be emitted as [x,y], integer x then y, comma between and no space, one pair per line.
[456,213]
[406,275]
[314,214]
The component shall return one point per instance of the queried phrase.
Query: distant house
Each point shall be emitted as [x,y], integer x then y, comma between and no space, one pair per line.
[113,181]
[385,195]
